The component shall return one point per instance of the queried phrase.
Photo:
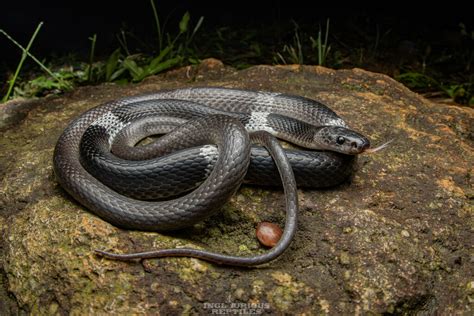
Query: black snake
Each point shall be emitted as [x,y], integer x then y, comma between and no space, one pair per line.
[204,158]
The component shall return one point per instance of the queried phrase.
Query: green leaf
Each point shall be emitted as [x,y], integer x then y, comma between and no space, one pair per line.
[117,74]
[416,80]
[111,65]
[135,71]
[43,82]
[155,61]
[122,81]
[164,65]
[183,24]
[194,60]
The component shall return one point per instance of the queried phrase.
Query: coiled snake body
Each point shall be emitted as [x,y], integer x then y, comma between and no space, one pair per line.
[207,153]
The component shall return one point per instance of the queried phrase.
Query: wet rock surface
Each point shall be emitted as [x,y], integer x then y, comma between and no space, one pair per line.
[397,239]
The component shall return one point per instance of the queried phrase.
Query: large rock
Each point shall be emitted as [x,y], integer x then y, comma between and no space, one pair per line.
[397,239]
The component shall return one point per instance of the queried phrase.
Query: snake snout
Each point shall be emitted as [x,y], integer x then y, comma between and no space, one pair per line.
[365,146]
[360,146]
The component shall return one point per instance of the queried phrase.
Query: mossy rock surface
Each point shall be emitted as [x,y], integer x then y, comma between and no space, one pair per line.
[397,239]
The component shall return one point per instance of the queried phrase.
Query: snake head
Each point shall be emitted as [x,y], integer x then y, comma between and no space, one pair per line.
[340,139]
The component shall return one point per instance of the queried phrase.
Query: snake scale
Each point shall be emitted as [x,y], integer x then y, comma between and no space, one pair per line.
[215,139]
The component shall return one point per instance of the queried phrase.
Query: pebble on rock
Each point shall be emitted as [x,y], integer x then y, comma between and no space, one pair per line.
[268,234]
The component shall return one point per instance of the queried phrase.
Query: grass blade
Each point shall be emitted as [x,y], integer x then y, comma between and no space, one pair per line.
[196,28]
[320,54]
[26,51]
[300,48]
[111,64]
[91,57]
[325,49]
[158,26]
[22,60]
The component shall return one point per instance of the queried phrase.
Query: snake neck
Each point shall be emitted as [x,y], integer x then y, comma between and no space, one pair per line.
[283,127]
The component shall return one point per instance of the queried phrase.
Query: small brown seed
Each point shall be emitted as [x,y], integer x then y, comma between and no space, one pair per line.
[268,234]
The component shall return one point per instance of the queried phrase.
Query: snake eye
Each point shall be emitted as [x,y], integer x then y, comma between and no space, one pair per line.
[340,140]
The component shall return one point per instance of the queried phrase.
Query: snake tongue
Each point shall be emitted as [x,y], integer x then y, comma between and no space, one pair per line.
[375,149]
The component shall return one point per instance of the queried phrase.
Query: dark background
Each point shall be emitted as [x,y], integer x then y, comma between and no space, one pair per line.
[68,24]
